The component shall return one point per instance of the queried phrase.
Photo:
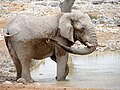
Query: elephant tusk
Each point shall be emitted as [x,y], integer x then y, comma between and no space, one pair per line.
[89,45]
[101,45]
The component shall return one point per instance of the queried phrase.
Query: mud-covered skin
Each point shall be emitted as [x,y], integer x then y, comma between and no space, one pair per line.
[27,36]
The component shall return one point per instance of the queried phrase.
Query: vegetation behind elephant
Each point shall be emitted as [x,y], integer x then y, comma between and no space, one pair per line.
[31,37]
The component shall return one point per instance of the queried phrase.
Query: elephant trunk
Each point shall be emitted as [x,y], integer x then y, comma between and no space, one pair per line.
[91,44]
[79,51]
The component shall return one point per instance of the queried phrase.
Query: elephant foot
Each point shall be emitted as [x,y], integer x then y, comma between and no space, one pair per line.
[24,81]
[18,77]
[63,77]
[60,78]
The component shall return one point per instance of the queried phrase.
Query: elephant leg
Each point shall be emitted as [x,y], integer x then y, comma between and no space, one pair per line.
[25,62]
[24,55]
[17,63]
[62,67]
[15,59]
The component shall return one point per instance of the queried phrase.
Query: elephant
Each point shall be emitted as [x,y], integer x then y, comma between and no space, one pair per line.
[37,37]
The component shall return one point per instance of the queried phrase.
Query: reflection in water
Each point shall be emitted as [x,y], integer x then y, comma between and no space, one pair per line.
[97,70]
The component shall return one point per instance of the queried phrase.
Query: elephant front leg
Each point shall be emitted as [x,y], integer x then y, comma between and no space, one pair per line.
[62,67]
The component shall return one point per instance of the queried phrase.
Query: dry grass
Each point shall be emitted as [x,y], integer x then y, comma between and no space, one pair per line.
[5,60]
[3,23]
[13,6]
[3,52]
[105,37]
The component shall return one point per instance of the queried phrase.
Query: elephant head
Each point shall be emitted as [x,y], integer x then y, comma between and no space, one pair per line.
[78,26]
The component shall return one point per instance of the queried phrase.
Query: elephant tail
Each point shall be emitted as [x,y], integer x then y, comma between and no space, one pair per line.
[6,33]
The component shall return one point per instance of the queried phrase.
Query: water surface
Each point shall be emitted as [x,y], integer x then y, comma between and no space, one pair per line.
[97,70]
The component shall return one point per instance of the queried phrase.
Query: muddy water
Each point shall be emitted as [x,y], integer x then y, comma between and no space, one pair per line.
[98,70]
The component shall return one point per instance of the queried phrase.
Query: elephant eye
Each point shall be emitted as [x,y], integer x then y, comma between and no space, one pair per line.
[82,31]
[83,28]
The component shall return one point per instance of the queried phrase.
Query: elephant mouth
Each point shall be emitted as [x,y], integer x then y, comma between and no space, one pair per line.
[89,44]
[86,43]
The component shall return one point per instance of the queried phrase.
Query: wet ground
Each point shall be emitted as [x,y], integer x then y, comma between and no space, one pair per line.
[98,70]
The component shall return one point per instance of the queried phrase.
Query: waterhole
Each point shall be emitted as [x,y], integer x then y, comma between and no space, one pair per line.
[97,70]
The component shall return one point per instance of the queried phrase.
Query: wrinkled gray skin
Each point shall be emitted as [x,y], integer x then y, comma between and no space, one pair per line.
[28,36]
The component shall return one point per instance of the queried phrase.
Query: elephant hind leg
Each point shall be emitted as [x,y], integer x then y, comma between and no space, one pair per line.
[14,57]
[17,64]
[24,52]
[25,74]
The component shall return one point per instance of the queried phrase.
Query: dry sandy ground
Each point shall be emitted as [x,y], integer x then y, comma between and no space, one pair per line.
[40,87]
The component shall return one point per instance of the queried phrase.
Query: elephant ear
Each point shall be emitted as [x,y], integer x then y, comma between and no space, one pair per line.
[65,26]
